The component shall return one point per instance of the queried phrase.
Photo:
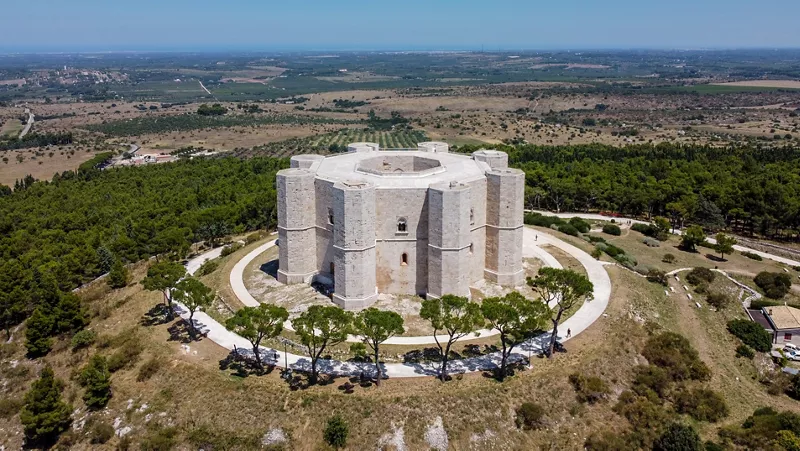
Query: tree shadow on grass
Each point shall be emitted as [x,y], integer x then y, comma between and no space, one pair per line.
[157,315]
[715,258]
[241,366]
[179,332]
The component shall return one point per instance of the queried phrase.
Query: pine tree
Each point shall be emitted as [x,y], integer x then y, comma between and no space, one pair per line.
[37,334]
[71,316]
[45,415]
[96,379]
[118,276]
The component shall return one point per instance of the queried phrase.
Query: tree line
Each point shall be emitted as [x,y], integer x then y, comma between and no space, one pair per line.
[37,140]
[57,235]
[751,190]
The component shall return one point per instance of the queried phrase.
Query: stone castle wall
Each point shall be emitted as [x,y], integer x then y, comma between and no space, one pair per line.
[457,229]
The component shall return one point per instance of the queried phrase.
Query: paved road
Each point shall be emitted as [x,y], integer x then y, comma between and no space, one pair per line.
[28,125]
[597,217]
[582,319]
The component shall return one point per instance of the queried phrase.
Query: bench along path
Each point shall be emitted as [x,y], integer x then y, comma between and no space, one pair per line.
[532,239]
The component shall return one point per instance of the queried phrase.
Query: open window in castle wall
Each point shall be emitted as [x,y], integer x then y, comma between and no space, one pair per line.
[404,259]
[402,225]
[330,216]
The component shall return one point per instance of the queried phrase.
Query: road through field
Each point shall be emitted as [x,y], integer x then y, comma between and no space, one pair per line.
[28,125]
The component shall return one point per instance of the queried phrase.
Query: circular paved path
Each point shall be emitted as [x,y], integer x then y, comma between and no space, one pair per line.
[532,239]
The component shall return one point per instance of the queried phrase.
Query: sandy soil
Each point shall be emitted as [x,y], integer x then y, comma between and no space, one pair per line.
[41,166]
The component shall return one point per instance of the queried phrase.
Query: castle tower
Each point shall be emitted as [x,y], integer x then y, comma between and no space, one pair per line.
[494,158]
[353,265]
[296,232]
[306,161]
[449,239]
[505,189]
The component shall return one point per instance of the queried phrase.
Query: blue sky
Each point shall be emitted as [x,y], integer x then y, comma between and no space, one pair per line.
[97,25]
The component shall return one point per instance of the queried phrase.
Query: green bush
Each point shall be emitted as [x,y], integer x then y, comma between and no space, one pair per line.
[668,258]
[336,431]
[253,237]
[761,428]
[752,256]
[100,433]
[679,437]
[657,276]
[529,416]
[761,303]
[580,224]
[207,267]
[568,229]
[774,285]
[675,354]
[701,404]
[596,239]
[651,242]
[698,275]
[612,229]
[125,356]
[597,253]
[541,220]
[589,389]
[650,381]
[10,406]
[118,276]
[83,339]
[626,260]
[751,333]
[718,300]
[745,351]
[231,248]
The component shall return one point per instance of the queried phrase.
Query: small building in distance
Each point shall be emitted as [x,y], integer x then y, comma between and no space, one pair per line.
[784,322]
[402,221]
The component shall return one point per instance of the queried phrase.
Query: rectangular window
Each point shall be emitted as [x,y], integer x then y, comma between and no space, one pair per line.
[787,337]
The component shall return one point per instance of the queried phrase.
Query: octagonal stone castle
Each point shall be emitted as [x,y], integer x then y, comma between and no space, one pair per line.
[401,221]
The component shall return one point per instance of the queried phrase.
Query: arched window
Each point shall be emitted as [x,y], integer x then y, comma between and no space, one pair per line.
[401,225]
[471,216]
[330,216]
[471,247]
[333,267]
[404,259]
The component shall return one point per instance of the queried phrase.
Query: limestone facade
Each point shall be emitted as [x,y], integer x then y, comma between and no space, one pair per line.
[423,221]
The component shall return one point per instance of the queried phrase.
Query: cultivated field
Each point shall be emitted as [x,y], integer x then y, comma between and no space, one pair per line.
[787,84]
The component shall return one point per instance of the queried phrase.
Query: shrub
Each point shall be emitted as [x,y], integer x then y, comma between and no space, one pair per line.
[626,260]
[101,432]
[208,267]
[596,239]
[597,253]
[580,224]
[675,354]
[541,220]
[642,269]
[668,258]
[253,237]
[651,242]
[701,404]
[148,369]
[125,356]
[568,229]
[612,250]
[159,439]
[761,303]
[752,256]
[651,380]
[612,229]
[745,351]
[718,300]
[83,339]
[679,437]
[589,389]
[751,333]
[336,431]
[644,229]
[643,414]
[231,248]
[774,285]
[657,276]
[701,288]
[10,406]
[118,276]
[529,416]
[698,275]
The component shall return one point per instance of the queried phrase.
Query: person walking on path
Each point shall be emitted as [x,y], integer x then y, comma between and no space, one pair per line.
[569,333]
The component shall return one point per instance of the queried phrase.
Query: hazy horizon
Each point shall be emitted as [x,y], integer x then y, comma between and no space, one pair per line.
[350,25]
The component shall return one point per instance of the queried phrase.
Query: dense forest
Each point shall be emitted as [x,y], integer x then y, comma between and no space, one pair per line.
[37,140]
[72,229]
[749,190]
